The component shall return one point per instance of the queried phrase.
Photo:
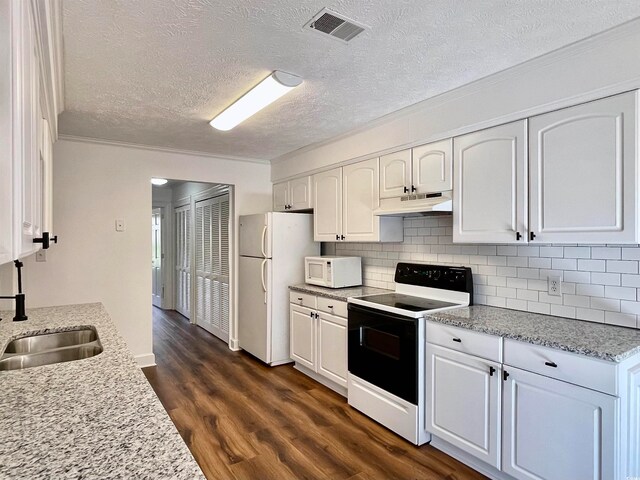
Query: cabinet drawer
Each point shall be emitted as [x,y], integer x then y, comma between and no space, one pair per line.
[463,340]
[334,307]
[302,299]
[577,369]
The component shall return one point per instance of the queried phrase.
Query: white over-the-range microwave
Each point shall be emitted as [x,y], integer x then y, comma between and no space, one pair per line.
[333,272]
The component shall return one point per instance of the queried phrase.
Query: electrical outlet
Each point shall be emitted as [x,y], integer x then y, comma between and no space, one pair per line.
[555,285]
[120,225]
[41,256]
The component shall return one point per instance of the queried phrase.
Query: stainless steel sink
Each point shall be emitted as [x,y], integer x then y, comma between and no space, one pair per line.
[48,341]
[50,348]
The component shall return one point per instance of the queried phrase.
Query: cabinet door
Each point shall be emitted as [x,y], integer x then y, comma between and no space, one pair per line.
[431,171]
[280,196]
[327,201]
[332,348]
[28,162]
[583,173]
[360,197]
[303,336]
[395,174]
[463,402]
[300,193]
[6,128]
[490,185]
[46,159]
[554,430]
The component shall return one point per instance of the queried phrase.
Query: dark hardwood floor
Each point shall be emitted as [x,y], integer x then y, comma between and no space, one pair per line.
[243,420]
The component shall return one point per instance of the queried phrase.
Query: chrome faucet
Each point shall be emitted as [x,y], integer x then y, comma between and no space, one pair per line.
[19,297]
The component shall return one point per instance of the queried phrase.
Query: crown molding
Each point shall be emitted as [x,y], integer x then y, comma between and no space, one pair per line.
[139,146]
[559,55]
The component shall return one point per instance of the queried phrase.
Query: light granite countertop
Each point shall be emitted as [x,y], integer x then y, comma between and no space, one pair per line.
[337,293]
[606,342]
[96,418]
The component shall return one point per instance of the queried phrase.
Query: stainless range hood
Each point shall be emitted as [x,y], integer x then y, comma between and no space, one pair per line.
[416,205]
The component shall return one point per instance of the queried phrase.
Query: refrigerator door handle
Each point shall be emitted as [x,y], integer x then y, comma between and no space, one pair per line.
[264,286]
[262,244]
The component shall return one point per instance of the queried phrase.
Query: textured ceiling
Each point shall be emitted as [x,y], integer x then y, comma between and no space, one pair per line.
[154,72]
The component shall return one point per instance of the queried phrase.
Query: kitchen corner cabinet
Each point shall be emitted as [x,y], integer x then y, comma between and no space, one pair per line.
[575,184]
[292,196]
[318,337]
[423,169]
[344,201]
[490,185]
[26,160]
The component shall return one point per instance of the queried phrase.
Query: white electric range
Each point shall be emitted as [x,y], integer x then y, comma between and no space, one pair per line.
[386,342]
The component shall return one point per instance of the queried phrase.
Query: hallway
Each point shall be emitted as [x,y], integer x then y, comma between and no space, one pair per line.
[243,420]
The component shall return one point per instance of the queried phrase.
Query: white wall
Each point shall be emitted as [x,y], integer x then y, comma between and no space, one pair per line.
[600,283]
[94,184]
[599,66]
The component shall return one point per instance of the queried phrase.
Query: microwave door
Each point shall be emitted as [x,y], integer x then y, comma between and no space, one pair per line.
[315,272]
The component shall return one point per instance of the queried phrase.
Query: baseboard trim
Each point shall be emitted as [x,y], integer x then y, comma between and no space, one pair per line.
[146,360]
[234,345]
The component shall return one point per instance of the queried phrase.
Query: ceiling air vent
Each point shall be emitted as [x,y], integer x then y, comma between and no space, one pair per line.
[335,25]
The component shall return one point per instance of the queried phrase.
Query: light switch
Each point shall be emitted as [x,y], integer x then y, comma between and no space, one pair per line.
[119,225]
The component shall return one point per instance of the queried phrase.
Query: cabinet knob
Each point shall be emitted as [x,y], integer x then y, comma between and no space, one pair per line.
[505,375]
[492,370]
[413,188]
[337,237]
[341,237]
[405,189]
[532,236]
[518,236]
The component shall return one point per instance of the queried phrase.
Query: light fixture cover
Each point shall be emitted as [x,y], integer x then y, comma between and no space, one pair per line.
[159,181]
[266,92]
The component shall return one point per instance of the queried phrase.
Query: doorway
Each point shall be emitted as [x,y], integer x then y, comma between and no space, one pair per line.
[196,276]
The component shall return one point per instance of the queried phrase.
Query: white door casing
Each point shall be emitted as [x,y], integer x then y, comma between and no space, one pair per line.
[183,260]
[157,283]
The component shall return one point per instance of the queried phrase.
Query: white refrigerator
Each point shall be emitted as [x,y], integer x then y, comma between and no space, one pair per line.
[272,250]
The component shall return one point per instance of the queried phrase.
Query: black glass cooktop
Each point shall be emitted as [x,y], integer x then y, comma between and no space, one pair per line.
[407,302]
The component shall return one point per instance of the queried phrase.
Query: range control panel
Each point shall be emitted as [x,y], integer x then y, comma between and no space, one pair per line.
[459,279]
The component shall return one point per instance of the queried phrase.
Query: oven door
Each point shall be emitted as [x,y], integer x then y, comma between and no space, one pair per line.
[383,350]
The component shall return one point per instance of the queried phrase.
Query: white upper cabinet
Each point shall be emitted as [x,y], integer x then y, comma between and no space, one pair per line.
[490,185]
[424,169]
[327,198]
[359,198]
[294,195]
[280,196]
[583,173]
[395,174]
[431,171]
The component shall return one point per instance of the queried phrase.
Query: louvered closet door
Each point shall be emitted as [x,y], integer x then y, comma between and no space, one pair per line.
[183,259]
[212,265]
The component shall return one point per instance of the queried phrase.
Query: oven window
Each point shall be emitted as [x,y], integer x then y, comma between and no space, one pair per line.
[315,270]
[381,342]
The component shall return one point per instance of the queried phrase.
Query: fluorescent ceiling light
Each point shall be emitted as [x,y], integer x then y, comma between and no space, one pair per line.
[159,181]
[266,92]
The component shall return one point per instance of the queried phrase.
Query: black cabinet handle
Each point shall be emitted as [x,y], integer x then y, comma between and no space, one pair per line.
[300,298]
[551,364]
[330,306]
[457,340]
[45,240]
[491,371]
[337,237]
[505,375]
[518,236]
[532,235]
[413,188]
[341,237]
[405,189]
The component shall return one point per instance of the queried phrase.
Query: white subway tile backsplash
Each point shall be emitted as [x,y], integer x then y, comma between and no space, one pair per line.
[600,283]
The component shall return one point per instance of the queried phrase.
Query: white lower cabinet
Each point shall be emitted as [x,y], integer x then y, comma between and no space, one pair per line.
[537,413]
[319,338]
[458,379]
[555,430]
